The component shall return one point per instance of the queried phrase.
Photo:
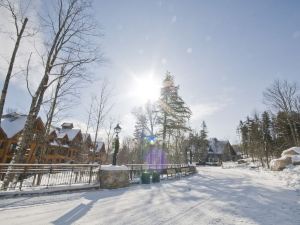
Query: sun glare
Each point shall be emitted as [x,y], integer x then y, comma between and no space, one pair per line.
[145,88]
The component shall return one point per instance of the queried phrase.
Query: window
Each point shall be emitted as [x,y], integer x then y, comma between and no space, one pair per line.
[38,151]
[1,144]
[12,148]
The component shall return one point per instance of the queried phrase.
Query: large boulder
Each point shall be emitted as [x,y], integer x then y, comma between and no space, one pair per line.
[114,177]
[296,160]
[291,151]
[281,163]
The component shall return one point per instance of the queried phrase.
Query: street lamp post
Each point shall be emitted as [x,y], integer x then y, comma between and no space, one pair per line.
[117,130]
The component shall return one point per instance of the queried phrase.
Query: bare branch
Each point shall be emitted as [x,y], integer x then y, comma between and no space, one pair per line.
[27,74]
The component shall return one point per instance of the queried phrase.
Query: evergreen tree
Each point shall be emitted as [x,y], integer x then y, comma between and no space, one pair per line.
[174,113]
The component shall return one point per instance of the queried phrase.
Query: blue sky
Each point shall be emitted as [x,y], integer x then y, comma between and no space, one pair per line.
[223,54]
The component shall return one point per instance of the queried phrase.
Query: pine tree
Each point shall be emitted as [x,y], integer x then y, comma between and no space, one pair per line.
[174,113]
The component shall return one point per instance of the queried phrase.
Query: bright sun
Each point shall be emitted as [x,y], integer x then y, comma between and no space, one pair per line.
[145,88]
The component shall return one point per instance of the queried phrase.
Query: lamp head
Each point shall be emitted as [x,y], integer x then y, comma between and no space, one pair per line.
[117,129]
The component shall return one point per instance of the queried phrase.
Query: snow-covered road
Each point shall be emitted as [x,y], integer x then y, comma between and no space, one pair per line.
[213,196]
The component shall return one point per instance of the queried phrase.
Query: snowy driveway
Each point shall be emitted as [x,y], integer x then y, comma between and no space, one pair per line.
[213,196]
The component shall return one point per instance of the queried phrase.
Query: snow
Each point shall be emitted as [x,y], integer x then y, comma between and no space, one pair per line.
[65,180]
[99,145]
[290,176]
[61,135]
[213,196]
[111,167]
[13,124]
[293,149]
[296,159]
[71,133]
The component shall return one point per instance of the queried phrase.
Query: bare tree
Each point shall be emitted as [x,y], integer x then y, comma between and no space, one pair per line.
[101,108]
[109,130]
[282,96]
[152,117]
[146,118]
[88,124]
[69,32]
[20,25]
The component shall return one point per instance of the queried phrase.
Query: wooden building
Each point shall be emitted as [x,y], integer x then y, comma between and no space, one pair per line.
[11,128]
[98,155]
[65,144]
[219,150]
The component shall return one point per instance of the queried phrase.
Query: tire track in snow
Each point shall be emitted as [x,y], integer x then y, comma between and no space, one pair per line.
[183,213]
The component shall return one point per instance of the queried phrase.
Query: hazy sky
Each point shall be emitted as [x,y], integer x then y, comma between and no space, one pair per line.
[223,54]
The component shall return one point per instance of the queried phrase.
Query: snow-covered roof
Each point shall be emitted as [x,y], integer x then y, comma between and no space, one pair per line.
[216,146]
[13,123]
[61,135]
[99,146]
[70,133]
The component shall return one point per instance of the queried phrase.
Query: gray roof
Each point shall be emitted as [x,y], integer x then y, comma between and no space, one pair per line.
[216,146]
[99,145]
[71,133]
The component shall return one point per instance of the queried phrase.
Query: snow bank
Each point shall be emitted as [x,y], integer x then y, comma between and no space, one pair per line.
[111,167]
[291,175]
[296,159]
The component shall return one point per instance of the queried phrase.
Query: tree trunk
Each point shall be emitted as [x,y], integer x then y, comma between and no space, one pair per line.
[27,133]
[49,121]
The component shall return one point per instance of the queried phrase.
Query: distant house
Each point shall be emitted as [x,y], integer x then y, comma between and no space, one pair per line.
[219,150]
[100,155]
[12,125]
[87,146]
[65,145]
[68,145]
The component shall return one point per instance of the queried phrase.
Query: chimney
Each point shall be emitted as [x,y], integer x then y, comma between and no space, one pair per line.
[67,126]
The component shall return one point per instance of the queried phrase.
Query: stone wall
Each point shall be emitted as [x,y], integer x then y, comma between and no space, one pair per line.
[110,179]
